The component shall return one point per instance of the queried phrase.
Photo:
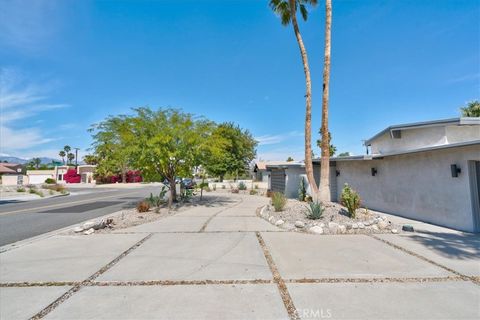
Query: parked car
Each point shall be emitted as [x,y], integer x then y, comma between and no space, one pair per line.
[188,183]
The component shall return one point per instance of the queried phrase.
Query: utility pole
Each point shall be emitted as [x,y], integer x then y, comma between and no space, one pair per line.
[76,156]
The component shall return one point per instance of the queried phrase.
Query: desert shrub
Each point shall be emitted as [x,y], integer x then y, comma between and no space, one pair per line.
[54,187]
[350,199]
[63,191]
[256,186]
[278,201]
[269,193]
[20,189]
[186,194]
[143,206]
[50,192]
[50,181]
[214,187]
[32,190]
[314,210]
[308,198]
[38,193]
[235,190]
[253,192]
[302,190]
[242,186]
[223,186]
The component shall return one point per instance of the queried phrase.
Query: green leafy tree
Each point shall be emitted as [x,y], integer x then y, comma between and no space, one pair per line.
[237,149]
[168,143]
[344,154]
[112,143]
[36,163]
[90,159]
[332,149]
[62,154]
[471,110]
[287,11]
[290,159]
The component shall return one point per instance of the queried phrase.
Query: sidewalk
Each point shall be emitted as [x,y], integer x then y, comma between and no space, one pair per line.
[223,262]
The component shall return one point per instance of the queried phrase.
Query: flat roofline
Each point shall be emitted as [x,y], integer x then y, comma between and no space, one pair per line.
[425,124]
[391,154]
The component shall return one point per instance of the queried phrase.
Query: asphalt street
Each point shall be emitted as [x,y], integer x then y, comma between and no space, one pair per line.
[23,220]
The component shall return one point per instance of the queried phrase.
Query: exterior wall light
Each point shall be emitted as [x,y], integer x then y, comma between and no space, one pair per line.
[337,173]
[455,170]
[374,171]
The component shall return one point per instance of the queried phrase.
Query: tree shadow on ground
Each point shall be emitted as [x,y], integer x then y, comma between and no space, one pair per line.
[461,246]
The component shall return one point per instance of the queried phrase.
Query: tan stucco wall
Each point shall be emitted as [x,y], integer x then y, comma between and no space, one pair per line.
[11,180]
[418,186]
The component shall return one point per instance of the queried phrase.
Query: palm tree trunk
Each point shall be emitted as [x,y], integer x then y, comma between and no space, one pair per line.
[324,190]
[308,103]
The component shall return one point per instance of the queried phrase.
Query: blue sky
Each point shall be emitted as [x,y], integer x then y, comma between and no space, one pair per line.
[68,64]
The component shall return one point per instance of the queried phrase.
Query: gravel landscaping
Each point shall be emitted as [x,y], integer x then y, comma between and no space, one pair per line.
[131,217]
[334,220]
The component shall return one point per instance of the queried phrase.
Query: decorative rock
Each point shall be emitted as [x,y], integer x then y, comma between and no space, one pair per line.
[299,224]
[342,229]
[366,223]
[382,224]
[78,229]
[354,225]
[316,229]
[384,218]
[394,231]
[322,225]
[288,226]
[279,222]
[408,228]
[348,226]
[89,231]
[87,225]
[333,225]
[361,225]
[374,227]
[271,218]
[99,224]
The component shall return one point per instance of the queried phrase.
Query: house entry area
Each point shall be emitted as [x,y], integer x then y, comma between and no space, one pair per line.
[278,180]
[474,174]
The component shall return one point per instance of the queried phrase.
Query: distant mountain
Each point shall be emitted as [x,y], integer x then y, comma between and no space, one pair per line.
[11,159]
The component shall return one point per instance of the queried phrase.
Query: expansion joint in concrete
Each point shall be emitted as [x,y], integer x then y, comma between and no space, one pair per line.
[87,281]
[277,278]
[416,255]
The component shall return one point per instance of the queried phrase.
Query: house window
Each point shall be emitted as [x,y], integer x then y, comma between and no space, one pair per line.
[60,177]
[396,134]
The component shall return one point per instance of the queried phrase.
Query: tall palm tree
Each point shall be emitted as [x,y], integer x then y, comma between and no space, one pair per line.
[324,190]
[62,154]
[287,10]
[67,148]
[70,157]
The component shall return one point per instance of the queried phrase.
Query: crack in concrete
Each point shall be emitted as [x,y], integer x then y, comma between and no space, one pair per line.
[277,278]
[42,313]
[419,256]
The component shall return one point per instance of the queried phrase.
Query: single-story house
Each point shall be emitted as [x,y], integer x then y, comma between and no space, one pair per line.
[260,172]
[11,173]
[428,171]
[39,176]
[286,177]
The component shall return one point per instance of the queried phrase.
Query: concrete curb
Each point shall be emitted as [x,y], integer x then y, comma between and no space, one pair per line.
[24,242]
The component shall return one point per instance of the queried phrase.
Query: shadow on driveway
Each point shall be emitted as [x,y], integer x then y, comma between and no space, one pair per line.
[462,246]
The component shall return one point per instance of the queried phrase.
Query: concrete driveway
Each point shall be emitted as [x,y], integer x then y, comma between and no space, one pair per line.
[223,262]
